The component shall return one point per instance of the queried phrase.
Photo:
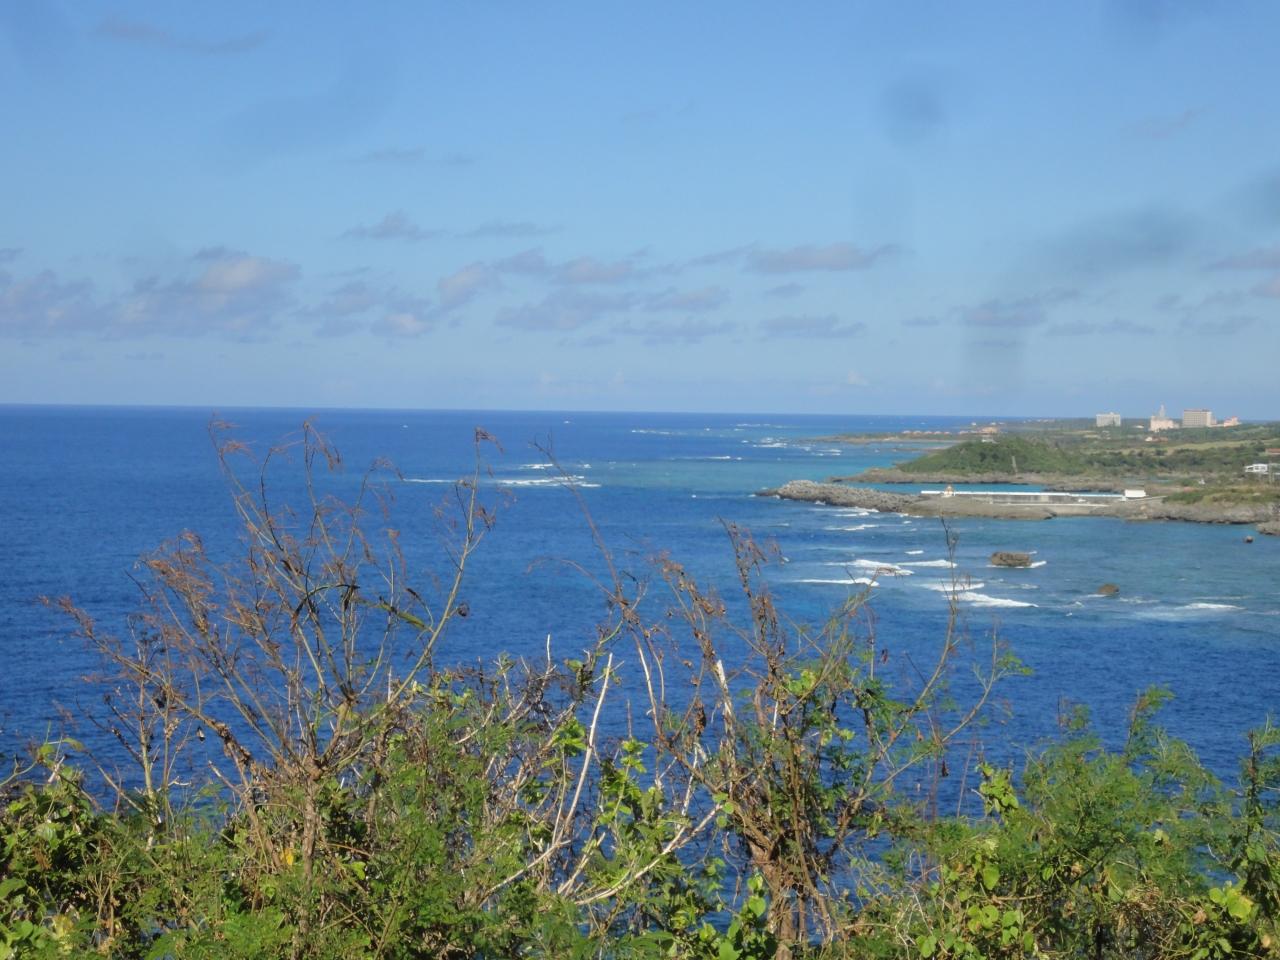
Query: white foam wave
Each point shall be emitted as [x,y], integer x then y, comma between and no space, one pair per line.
[855,581]
[855,528]
[928,563]
[536,466]
[882,567]
[1037,563]
[946,586]
[576,480]
[914,553]
[982,600]
[427,480]
[1211,606]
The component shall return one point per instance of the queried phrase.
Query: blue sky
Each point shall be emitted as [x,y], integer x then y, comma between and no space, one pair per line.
[848,208]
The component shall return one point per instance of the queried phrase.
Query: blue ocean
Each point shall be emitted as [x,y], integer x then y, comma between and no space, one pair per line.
[87,491]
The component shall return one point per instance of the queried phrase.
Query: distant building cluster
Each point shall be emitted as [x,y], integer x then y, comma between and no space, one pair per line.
[1107,419]
[1192,418]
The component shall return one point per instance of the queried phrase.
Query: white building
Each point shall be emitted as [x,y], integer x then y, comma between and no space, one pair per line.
[1160,421]
[1197,418]
[1107,419]
[1262,468]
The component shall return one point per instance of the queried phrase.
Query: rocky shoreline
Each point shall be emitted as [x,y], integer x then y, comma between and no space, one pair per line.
[1154,508]
[1048,481]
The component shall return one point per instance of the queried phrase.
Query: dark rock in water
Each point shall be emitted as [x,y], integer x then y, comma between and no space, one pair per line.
[1271,528]
[1010,558]
[1108,590]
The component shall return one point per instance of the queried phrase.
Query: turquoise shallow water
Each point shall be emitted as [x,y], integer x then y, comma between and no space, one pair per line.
[86,491]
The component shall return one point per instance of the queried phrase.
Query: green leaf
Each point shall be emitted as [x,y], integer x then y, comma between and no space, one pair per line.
[927,945]
[990,876]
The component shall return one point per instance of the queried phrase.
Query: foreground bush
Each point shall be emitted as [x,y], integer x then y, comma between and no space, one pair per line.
[308,778]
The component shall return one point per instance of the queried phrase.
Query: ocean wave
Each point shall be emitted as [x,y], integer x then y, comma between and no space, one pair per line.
[854,529]
[1036,563]
[574,480]
[854,581]
[928,563]
[914,553]
[428,480]
[536,466]
[983,600]
[881,566]
[1210,606]
[946,586]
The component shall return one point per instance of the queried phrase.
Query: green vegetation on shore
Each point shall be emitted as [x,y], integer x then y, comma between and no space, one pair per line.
[1007,454]
[310,775]
[1259,493]
[1219,455]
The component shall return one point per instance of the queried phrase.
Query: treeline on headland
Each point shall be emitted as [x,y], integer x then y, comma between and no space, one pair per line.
[1215,456]
[301,773]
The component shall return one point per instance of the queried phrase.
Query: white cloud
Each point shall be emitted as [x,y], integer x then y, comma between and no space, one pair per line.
[465,285]
[394,226]
[833,256]
[826,327]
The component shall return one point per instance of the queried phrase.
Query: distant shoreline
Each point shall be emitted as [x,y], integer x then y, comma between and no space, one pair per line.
[1151,508]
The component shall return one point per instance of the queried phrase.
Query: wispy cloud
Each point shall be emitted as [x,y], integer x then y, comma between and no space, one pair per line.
[1106,328]
[9,254]
[922,321]
[526,261]
[231,292]
[706,298]
[1217,327]
[507,229]
[44,305]
[216,292]
[589,270]
[406,319]
[1262,258]
[463,286]
[564,310]
[1017,314]
[397,156]
[808,257]
[360,305]
[784,291]
[124,30]
[394,226]
[826,327]
[912,110]
[689,330]
[717,257]
[1151,236]
[1269,288]
[1165,127]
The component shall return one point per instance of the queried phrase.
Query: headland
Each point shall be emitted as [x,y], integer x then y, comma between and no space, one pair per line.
[1073,469]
